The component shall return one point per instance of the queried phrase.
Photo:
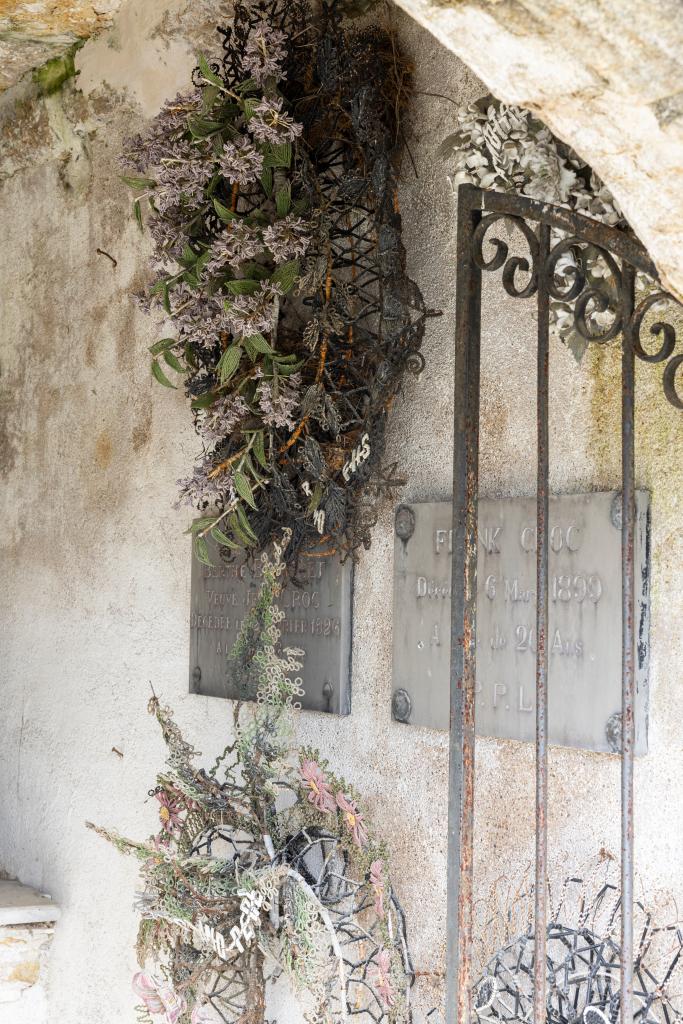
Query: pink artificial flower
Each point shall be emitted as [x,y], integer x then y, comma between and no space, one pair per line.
[320,795]
[169,811]
[377,883]
[382,979]
[353,818]
[159,997]
[144,987]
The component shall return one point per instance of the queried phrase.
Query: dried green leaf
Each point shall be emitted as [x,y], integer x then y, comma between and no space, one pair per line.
[162,345]
[223,212]
[207,72]
[259,449]
[285,275]
[161,376]
[243,488]
[224,540]
[229,362]
[172,360]
[244,523]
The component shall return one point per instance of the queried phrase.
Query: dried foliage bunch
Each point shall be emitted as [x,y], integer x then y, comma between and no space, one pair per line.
[279,265]
[264,864]
[507,149]
[583,951]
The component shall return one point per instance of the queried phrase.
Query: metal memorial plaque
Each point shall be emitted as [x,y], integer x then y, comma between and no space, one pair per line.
[584,637]
[317,619]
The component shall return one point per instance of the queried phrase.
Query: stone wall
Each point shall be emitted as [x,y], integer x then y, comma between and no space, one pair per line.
[97,569]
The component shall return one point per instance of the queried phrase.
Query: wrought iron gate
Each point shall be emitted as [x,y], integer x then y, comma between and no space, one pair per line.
[550,233]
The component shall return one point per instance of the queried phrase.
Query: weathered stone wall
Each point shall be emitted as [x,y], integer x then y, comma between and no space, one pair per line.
[606,77]
[96,568]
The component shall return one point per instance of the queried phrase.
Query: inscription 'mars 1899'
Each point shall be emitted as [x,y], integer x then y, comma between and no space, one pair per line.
[317,618]
[584,640]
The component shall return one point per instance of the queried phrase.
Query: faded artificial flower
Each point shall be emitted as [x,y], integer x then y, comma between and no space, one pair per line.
[182,178]
[203,492]
[254,314]
[241,162]
[287,238]
[382,978]
[353,818]
[237,243]
[270,124]
[377,883]
[278,409]
[220,419]
[320,794]
[264,52]
[169,811]
[159,997]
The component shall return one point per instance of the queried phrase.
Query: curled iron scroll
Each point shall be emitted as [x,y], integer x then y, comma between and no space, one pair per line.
[501,258]
[667,333]
[589,299]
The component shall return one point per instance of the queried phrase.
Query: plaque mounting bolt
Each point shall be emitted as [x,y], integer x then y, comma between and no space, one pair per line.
[196,675]
[405,522]
[401,705]
[613,732]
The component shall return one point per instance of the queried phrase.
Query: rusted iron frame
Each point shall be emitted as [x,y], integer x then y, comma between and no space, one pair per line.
[472,203]
[542,487]
[628,516]
[463,618]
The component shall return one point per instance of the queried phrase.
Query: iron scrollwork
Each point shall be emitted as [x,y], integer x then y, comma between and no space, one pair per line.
[584,272]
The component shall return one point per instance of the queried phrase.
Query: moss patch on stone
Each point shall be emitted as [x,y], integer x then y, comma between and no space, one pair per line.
[52,75]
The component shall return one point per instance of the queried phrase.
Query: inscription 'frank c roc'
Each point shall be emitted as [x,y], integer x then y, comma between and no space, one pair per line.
[584,638]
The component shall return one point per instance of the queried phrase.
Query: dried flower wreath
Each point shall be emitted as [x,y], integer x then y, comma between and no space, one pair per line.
[277,247]
[264,864]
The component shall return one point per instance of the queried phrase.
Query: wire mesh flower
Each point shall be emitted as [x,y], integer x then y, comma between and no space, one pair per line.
[253,314]
[320,793]
[353,819]
[264,53]
[382,978]
[241,162]
[270,123]
[287,238]
[278,404]
[169,811]
[236,244]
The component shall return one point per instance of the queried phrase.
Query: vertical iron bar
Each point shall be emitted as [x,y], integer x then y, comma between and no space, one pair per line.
[540,888]
[463,615]
[628,647]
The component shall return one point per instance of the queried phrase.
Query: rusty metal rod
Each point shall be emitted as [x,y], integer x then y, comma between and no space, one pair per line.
[628,514]
[541,860]
[463,617]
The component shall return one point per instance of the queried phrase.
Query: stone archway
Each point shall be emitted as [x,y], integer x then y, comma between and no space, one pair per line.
[606,76]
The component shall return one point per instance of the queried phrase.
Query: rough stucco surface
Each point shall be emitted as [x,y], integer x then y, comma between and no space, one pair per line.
[97,571]
[607,77]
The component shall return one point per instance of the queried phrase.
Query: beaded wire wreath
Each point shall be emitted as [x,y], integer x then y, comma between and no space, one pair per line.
[272,192]
[263,865]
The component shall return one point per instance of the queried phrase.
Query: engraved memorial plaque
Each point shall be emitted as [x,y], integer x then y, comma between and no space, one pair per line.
[317,619]
[584,636]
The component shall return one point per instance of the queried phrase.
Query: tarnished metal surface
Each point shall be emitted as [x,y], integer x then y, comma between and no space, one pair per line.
[628,674]
[317,618]
[463,623]
[542,553]
[583,637]
[558,246]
